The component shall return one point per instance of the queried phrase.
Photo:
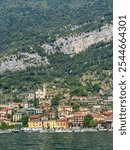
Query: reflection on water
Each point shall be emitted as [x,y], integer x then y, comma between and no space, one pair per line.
[56,141]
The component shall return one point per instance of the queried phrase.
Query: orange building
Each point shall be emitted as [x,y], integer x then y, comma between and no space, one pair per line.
[62,123]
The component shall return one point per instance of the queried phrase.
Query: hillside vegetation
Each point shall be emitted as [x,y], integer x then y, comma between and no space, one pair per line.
[25,25]
[28,22]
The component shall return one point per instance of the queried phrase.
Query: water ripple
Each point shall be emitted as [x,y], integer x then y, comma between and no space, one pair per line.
[56,141]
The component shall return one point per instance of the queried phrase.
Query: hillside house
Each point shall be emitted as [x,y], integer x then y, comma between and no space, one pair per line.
[17,116]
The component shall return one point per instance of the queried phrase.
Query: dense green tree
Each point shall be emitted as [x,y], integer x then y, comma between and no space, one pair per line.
[36,102]
[93,123]
[55,100]
[75,106]
[87,119]
[33,22]
[24,121]
[96,88]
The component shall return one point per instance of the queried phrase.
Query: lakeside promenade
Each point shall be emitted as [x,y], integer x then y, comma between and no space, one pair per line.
[39,130]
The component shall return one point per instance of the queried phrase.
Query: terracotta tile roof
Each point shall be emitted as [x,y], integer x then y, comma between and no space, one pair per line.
[35,121]
[6,109]
[35,116]
[62,119]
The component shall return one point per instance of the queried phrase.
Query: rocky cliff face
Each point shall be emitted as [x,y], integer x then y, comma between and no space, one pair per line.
[21,61]
[68,45]
[78,43]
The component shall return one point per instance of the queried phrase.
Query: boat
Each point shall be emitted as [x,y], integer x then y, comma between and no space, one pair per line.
[102,129]
[15,131]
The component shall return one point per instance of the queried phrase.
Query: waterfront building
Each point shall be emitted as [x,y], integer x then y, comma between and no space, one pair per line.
[78,119]
[70,120]
[62,123]
[34,121]
[35,124]
[109,122]
[50,124]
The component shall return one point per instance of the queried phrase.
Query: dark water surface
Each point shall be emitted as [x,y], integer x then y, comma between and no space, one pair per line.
[57,141]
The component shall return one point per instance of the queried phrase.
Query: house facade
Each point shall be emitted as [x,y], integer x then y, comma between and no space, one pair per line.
[35,124]
[17,116]
[62,123]
[50,124]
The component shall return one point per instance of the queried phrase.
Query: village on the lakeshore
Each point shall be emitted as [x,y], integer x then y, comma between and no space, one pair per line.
[37,112]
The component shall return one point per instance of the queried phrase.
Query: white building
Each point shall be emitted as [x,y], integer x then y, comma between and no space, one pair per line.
[41,94]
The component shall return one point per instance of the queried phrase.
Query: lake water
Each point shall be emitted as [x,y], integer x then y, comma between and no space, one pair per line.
[57,141]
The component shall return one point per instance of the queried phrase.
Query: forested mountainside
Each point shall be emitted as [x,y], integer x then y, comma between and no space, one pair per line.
[66,43]
[24,22]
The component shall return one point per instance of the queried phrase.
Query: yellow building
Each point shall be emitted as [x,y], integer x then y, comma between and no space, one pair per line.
[35,124]
[51,124]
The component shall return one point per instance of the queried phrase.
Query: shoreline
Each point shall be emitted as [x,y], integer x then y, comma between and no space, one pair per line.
[54,131]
